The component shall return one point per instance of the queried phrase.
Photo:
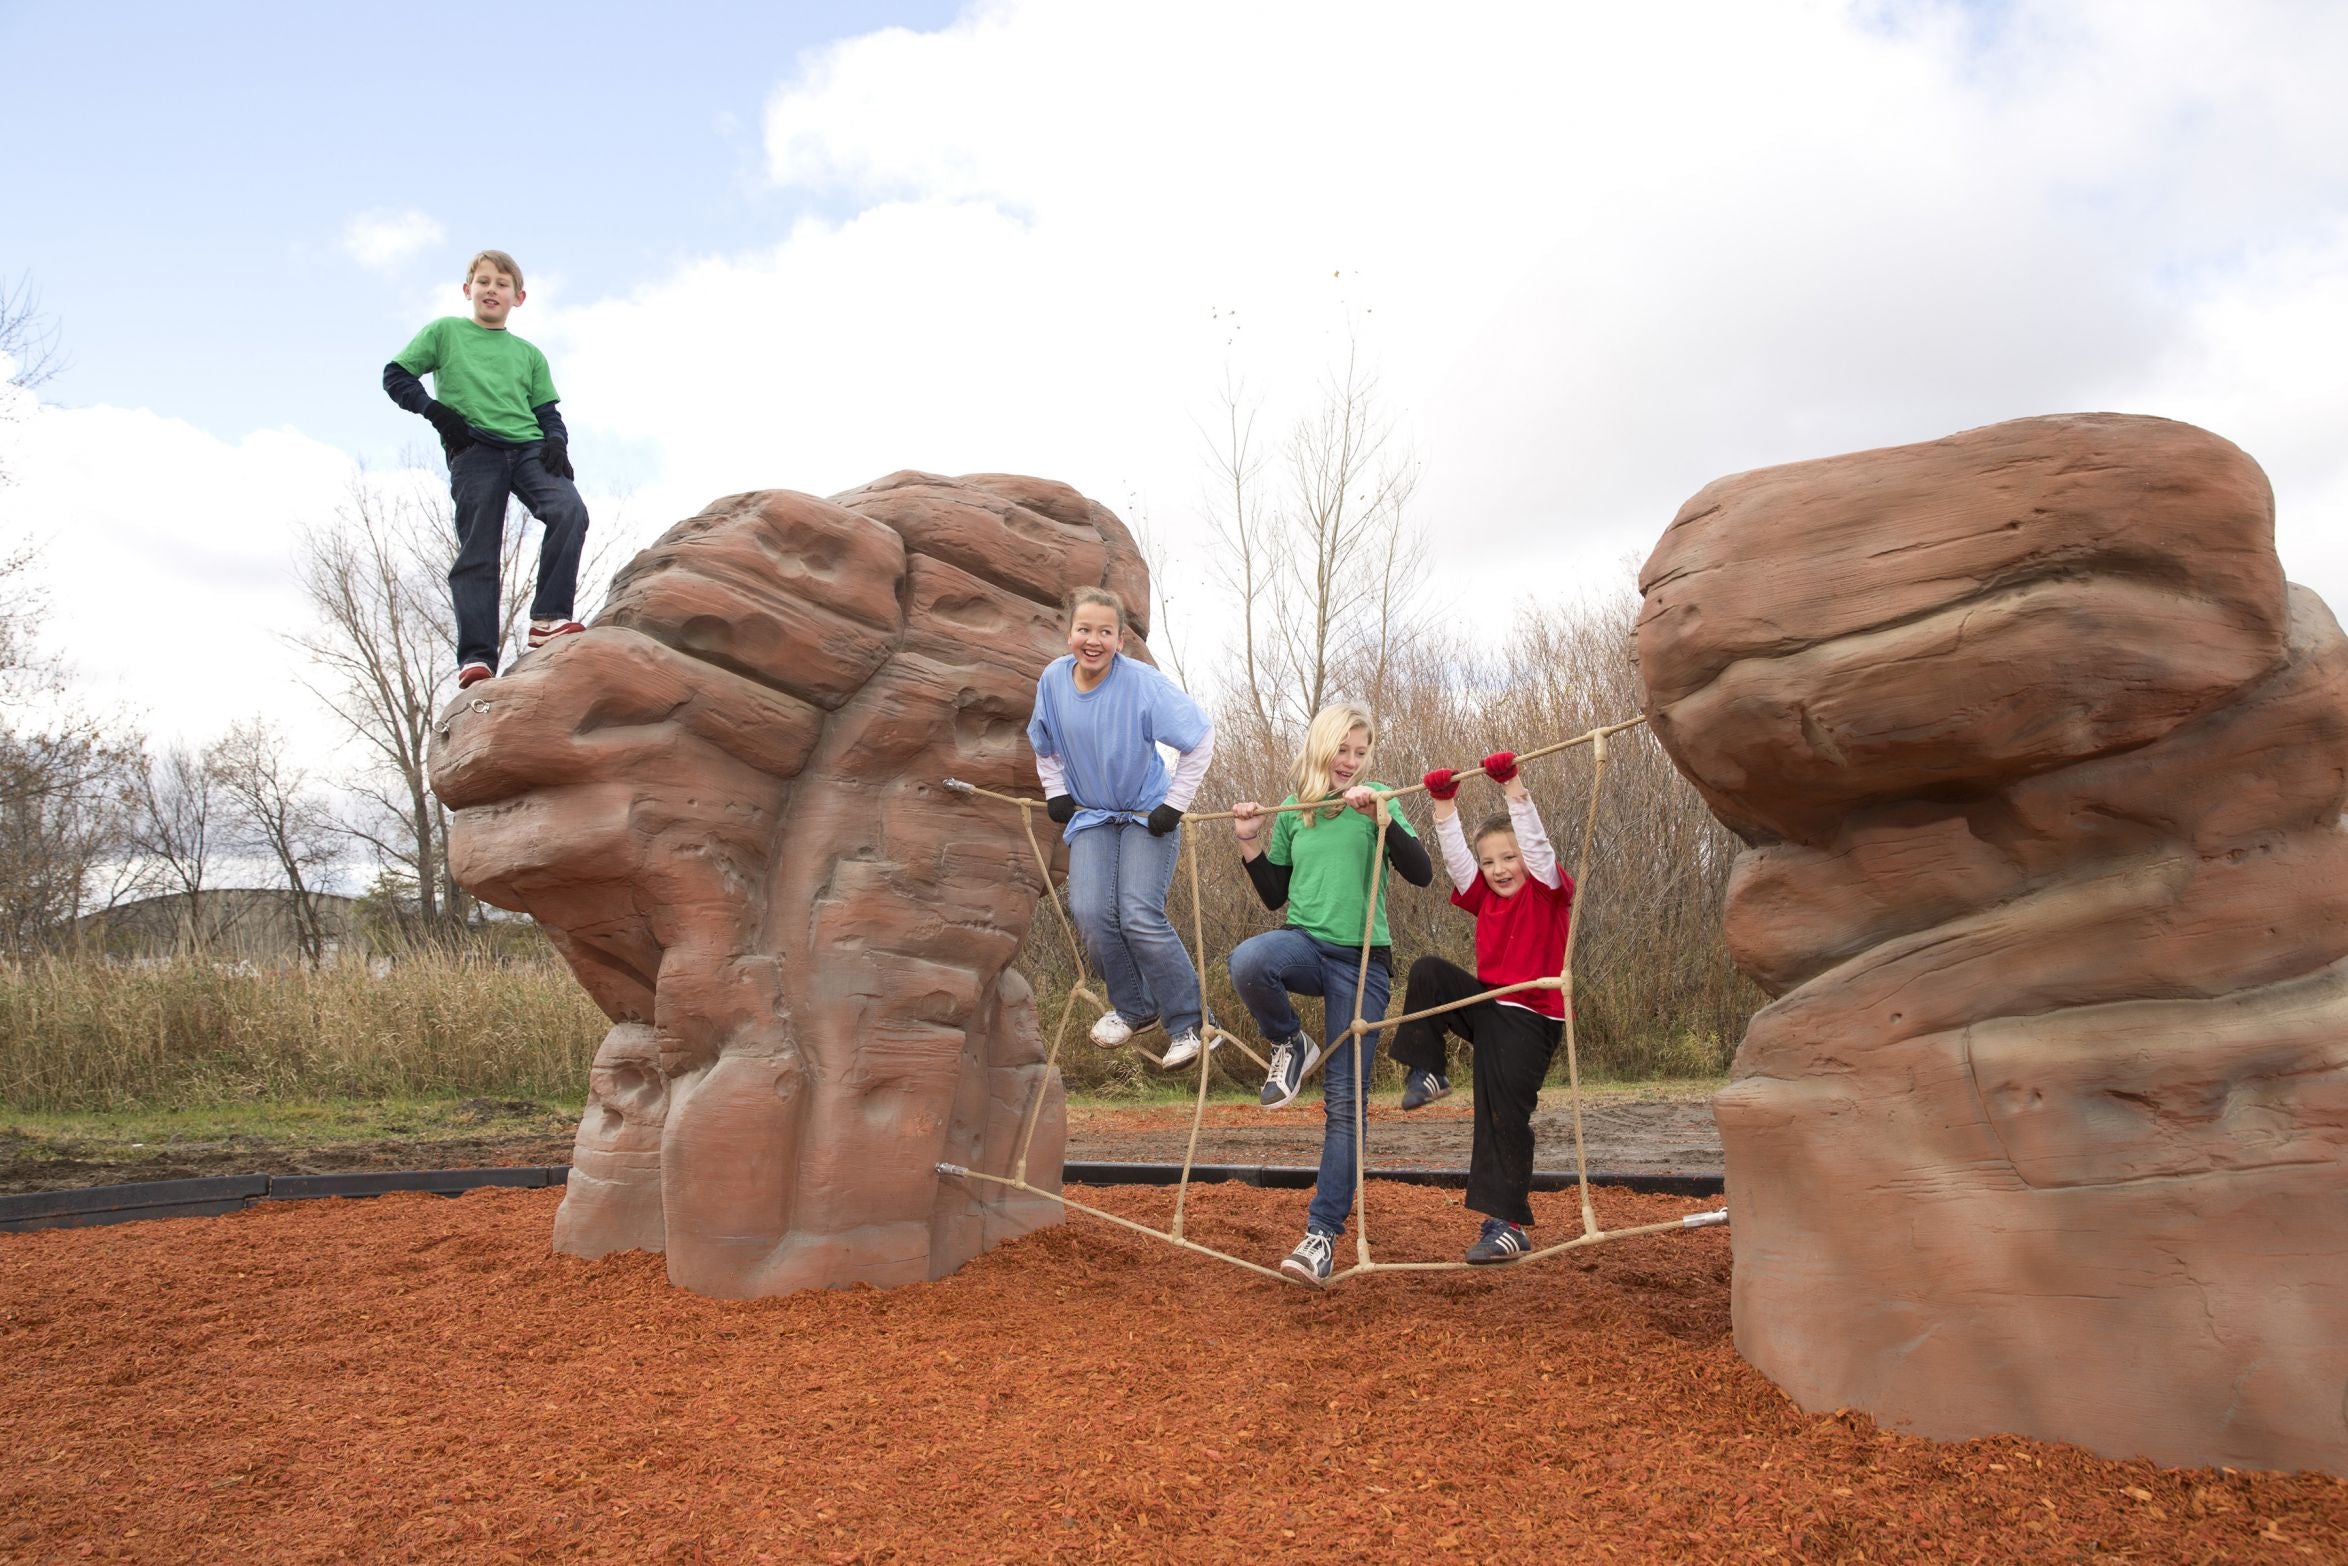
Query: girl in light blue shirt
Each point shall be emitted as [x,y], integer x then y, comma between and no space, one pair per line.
[1099,719]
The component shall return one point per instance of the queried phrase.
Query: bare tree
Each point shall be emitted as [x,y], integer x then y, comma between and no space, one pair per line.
[1246,538]
[1317,548]
[383,659]
[64,835]
[274,811]
[63,811]
[1165,622]
[27,336]
[28,344]
[383,656]
[175,830]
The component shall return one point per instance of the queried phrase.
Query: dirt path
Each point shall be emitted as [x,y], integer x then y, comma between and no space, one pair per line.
[1664,1128]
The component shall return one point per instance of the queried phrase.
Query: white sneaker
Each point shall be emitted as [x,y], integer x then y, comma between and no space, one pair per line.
[1112,1031]
[1181,1052]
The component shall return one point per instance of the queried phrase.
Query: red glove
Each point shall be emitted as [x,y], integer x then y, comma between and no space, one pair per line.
[1500,766]
[1441,784]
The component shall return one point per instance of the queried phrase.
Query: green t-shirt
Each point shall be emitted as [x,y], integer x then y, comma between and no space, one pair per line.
[1329,870]
[492,378]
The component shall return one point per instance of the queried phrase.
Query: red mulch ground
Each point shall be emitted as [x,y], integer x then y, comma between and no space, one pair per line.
[418,1379]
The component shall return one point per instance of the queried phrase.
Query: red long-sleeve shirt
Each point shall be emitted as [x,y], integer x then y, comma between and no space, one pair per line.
[1521,936]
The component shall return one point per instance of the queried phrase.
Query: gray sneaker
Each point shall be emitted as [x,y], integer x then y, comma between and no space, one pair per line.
[1309,1262]
[1422,1088]
[1291,1059]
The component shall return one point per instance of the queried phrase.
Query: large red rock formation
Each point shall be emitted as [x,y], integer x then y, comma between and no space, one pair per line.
[2042,765]
[722,804]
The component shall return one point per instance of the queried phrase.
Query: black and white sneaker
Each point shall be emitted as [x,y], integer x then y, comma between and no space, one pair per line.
[1309,1262]
[1499,1241]
[1422,1088]
[1291,1059]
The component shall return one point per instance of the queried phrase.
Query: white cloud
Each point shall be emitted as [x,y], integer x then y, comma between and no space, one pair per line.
[2255,357]
[381,241]
[1602,255]
[169,557]
[167,560]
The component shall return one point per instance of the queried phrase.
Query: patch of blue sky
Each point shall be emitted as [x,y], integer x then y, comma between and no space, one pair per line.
[182,218]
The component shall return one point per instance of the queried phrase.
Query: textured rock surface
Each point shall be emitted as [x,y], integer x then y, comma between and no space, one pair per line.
[721,802]
[2042,766]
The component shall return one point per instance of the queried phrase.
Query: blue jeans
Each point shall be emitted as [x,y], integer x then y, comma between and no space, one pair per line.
[480,478]
[1266,969]
[1117,880]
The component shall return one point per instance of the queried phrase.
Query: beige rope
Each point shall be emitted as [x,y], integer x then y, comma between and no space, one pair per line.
[1210,1036]
[1691,1221]
[1206,1050]
[1593,1237]
[1065,1200]
[1355,1037]
[1573,927]
[1593,737]
[1355,1031]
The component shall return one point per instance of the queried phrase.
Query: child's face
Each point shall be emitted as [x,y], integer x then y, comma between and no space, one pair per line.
[1353,755]
[1503,866]
[1093,639]
[493,294]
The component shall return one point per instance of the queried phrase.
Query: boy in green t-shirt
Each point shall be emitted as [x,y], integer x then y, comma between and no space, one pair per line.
[498,423]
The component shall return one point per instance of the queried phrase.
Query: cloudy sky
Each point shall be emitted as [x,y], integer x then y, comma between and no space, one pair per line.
[1598,255]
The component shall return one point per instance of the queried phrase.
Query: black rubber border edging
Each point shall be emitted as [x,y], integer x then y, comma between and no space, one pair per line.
[108,1204]
[105,1204]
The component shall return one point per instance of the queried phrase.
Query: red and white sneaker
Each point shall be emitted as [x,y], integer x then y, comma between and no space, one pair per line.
[473,674]
[544,631]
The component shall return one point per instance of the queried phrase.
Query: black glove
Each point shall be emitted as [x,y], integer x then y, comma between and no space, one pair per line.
[555,458]
[455,433]
[1163,820]
[1061,808]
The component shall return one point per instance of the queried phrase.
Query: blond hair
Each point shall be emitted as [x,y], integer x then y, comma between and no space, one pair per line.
[1492,826]
[499,259]
[1081,596]
[1321,738]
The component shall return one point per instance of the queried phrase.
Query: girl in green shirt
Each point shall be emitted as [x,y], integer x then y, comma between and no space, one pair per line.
[1316,864]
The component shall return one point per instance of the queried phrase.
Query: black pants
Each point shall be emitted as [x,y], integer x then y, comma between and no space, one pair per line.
[1513,1047]
[480,478]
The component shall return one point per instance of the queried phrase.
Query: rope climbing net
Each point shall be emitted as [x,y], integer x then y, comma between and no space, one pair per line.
[1213,1036]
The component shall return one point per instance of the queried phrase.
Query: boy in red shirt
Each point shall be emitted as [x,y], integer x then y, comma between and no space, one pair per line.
[1523,904]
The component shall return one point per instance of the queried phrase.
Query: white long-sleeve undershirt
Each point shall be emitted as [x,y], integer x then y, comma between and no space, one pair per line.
[1532,841]
[1458,861]
[1532,846]
[1190,770]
